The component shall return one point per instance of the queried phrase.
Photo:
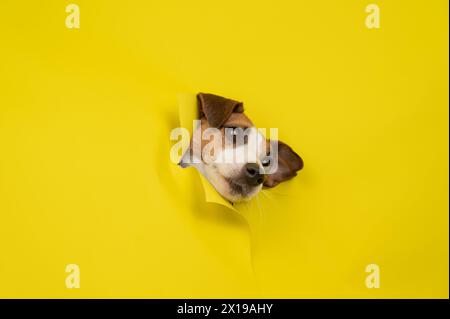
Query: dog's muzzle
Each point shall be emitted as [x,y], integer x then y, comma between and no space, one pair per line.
[253,176]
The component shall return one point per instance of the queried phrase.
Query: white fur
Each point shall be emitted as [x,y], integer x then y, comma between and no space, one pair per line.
[218,170]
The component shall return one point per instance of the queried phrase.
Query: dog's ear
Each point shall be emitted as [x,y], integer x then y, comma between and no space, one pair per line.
[217,109]
[289,163]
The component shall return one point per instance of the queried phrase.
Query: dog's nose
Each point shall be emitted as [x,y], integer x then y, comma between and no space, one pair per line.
[252,174]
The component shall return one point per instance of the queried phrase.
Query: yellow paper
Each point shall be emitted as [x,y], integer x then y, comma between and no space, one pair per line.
[85,175]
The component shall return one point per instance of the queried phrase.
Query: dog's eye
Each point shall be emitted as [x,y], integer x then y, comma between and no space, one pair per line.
[236,135]
[231,134]
[266,161]
[233,130]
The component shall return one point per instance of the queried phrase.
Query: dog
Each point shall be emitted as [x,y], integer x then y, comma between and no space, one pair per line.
[242,177]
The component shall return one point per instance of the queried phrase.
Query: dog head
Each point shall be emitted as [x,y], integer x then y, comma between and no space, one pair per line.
[233,155]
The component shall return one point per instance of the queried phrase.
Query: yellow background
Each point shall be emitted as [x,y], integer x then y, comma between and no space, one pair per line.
[85,175]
